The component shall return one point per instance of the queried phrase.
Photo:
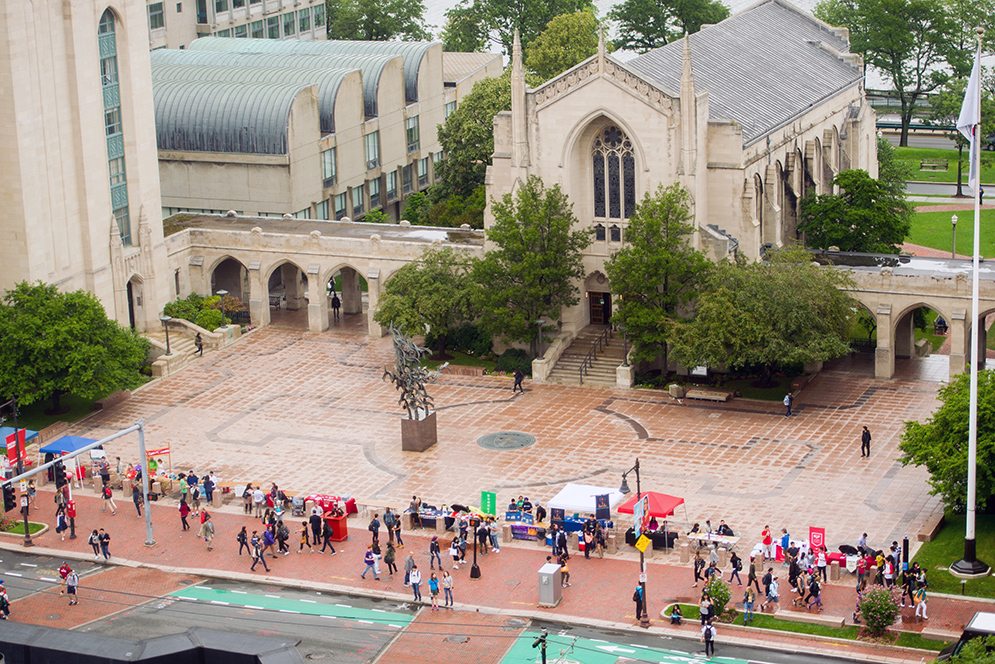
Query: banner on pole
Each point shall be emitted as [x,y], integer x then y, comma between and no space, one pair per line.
[816,538]
[602,508]
[15,451]
[488,503]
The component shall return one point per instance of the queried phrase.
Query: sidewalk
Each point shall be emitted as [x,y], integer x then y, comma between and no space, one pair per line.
[600,593]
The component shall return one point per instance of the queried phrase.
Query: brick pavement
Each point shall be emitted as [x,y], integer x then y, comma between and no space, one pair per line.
[438,636]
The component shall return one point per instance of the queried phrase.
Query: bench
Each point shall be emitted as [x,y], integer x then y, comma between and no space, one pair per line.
[810,618]
[931,528]
[111,399]
[934,164]
[936,634]
[707,395]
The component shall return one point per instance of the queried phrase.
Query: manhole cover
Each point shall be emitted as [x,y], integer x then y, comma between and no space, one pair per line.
[506,440]
[184,582]
[457,639]
[53,616]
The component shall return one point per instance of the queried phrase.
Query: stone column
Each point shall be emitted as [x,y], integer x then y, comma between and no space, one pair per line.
[258,296]
[317,308]
[982,349]
[373,286]
[351,296]
[293,286]
[625,376]
[958,334]
[905,336]
[884,354]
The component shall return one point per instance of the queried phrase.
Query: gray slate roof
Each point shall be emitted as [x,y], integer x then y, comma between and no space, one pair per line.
[210,116]
[412,52]
[328,81]
[761,67]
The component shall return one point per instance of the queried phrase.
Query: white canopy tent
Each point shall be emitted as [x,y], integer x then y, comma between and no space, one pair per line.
[581,498]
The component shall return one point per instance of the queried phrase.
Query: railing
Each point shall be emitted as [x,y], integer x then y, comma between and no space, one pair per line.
[596,347]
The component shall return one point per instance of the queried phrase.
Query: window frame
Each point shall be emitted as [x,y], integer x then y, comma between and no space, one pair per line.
[412,133]
[328,168]
[372,140]
[159,13]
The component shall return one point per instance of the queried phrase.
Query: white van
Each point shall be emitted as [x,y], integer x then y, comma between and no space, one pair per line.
[982,624]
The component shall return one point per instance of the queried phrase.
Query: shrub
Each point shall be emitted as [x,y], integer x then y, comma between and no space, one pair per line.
[187,308]
[209,319]
[880,607]
[514,358]
[471,339]
[720,592]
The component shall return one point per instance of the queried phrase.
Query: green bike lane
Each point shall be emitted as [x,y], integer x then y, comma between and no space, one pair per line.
[581,650]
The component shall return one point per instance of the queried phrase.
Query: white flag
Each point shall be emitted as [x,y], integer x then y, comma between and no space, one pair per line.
[969,121]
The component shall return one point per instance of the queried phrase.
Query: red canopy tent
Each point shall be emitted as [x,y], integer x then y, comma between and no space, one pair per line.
[660,504]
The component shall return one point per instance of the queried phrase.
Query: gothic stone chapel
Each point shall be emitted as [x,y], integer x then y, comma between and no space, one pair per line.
[749,115]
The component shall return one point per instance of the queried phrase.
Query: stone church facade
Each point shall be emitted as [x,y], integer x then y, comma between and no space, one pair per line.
[749,115]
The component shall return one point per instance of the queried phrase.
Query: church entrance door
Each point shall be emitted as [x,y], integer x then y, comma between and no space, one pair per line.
[601,307]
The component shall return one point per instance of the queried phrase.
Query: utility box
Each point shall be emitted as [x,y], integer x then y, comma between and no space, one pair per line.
[550,585]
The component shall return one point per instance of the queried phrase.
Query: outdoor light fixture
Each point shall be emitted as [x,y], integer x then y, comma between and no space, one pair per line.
[625,360]
[644,618]
[540,323]
[222,293]
[953,248]
[165,323]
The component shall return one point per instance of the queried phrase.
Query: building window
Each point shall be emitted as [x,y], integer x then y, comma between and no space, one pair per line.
[176,282]
[614,169]
[406,179]
[156,19]
[374,194]
[237,4]
[422,172]
[305,18]
[391,185]
[599,233]
[357,202]
[616,233]
[240,31]
[257,29]
[436,158]
[322,211]
[372,150]
[411,130]
[450,108]
[223,33]
[255,2]
[220,6]
[179,7]
[116,173]
[288,24]
[340,203]
[328,168]
[273,27]
[319,15]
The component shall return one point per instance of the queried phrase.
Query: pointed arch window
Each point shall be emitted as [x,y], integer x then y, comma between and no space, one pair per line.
[614,172]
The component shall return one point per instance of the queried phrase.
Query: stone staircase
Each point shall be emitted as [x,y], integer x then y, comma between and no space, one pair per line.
[601,373]
[179,344]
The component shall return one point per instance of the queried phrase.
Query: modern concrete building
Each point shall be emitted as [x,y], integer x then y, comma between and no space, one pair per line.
[79,184]
[363,138]
[174,24]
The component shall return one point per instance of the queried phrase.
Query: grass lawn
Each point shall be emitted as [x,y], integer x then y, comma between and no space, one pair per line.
[33,417]
[915,155]
[948,547]
[461,359]
[849,632]
[363,286]
[779,388]
[857,331]
[32,528]
[933,229]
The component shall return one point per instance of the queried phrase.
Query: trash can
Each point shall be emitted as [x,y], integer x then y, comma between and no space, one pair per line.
[550,585]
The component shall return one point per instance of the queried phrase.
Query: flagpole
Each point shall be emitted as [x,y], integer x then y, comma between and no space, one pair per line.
[970,566]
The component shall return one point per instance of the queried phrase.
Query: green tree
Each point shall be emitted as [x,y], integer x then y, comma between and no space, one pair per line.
[376,20]
[979,650]
[376,216]
[432,294]
[416,207]
[780,312]
[475,21]
[531,273]
[568,40]
[864,216]
[893,172]
[940,443]
[54,343]
[946,105]
[658,271]
[647,24]
[465,30]
[467,137]
[909,41]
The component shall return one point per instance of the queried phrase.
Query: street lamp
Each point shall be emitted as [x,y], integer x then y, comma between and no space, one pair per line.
[625,346]
[165,323]
[644,618]
[953,249]
[474,568]
[540,323]
[20,468]
[222,293]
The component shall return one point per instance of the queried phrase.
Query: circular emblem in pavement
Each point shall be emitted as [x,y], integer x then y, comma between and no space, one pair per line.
[54,616]
[457,639]
[506,440]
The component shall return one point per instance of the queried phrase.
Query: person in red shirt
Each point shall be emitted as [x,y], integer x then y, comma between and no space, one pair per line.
[64,572]
[768,542]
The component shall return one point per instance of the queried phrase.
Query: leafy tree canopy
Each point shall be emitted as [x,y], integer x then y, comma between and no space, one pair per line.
[531,272]
[647,24]
[568,40]
[377,20]
[476,23]
[980,650]
[946,105]
[864,216]
[54,343]
[433,293]
[940,443]
[780,312]
[658,270]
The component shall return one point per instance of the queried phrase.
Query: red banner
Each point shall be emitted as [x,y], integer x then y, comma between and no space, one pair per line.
[816,538]
[152,453]
[15,452]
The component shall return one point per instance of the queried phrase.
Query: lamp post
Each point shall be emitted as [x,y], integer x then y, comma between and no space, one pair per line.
[625,346]
[165,323]
[953,249]
[644,618]
[20,469]
[222,293]
[474,568]
[539,324]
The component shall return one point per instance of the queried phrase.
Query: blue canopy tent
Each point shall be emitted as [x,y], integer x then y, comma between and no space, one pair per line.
[66,444]
[9,431]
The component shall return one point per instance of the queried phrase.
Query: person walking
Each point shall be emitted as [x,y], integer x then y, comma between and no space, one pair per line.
[447,587]
[751,577]
[326,535]
[269,539]
[519,377]
[207,532]
[371,562]
[815,593]
[305,538]
[699,565]
[105,542]
[708,638]
[415,579]
[788,400]
[389,558]
[865,442]
[374,529]
[61,525]
[282,536]
[315,521]
[199,343]
[388,523]
[772,589]
[258,555]
[243,541]
[749,598]
[409,564]
[737,564]
[434,552]
[919,598]
[433,590]
[184,512]
[454,552]
[64,571]
[109,500]
[94,542]
[336,305]
[564,569]
[136,497]
[72,587]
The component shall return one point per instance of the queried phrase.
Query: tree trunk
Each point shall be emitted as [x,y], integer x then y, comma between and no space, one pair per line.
[56,408]
[766,376]
[960,174]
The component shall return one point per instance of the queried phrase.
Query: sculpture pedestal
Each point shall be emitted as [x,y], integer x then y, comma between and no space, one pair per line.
[418,435]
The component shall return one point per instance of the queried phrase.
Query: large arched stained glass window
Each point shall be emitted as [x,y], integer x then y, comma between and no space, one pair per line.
[614,168]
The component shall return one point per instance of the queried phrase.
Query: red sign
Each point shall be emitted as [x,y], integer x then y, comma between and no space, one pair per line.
[152,453]
[816,538]
[15,452]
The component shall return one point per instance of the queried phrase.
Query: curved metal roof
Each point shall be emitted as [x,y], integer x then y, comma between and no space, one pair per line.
[413,52]
[372,66]
[328,81]
[210,116]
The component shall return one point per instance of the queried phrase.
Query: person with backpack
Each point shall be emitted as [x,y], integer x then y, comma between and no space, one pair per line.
[434,553]
[388,521]
[788,400]
[184,512]
[243,541]
[247,499]
[708,638]
[737,564]
[389,558]
[109,500]
[454,552]
[326,535]
[815,593]
[72,585]
[282,535]
[637,597]
[415,579]
[258,556]
[772,588]
[374,528]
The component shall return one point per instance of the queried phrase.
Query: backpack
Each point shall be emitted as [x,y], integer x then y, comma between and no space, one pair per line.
[246,494]
[636,597]
[739,564]
[107,492]
[196,493]
[708,632]
[787,399]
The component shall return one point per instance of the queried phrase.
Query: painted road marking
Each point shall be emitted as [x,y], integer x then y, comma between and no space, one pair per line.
[287,605]
[593,651]
[14,574]
[49,579]
[309,601]
[28,565]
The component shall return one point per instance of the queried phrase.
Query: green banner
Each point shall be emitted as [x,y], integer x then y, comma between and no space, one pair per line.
[488,503]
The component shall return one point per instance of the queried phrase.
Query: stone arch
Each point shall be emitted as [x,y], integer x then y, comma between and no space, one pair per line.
[349,293]
[284,286]
[230,274]
[903,326]
[598,298]
[138,316]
